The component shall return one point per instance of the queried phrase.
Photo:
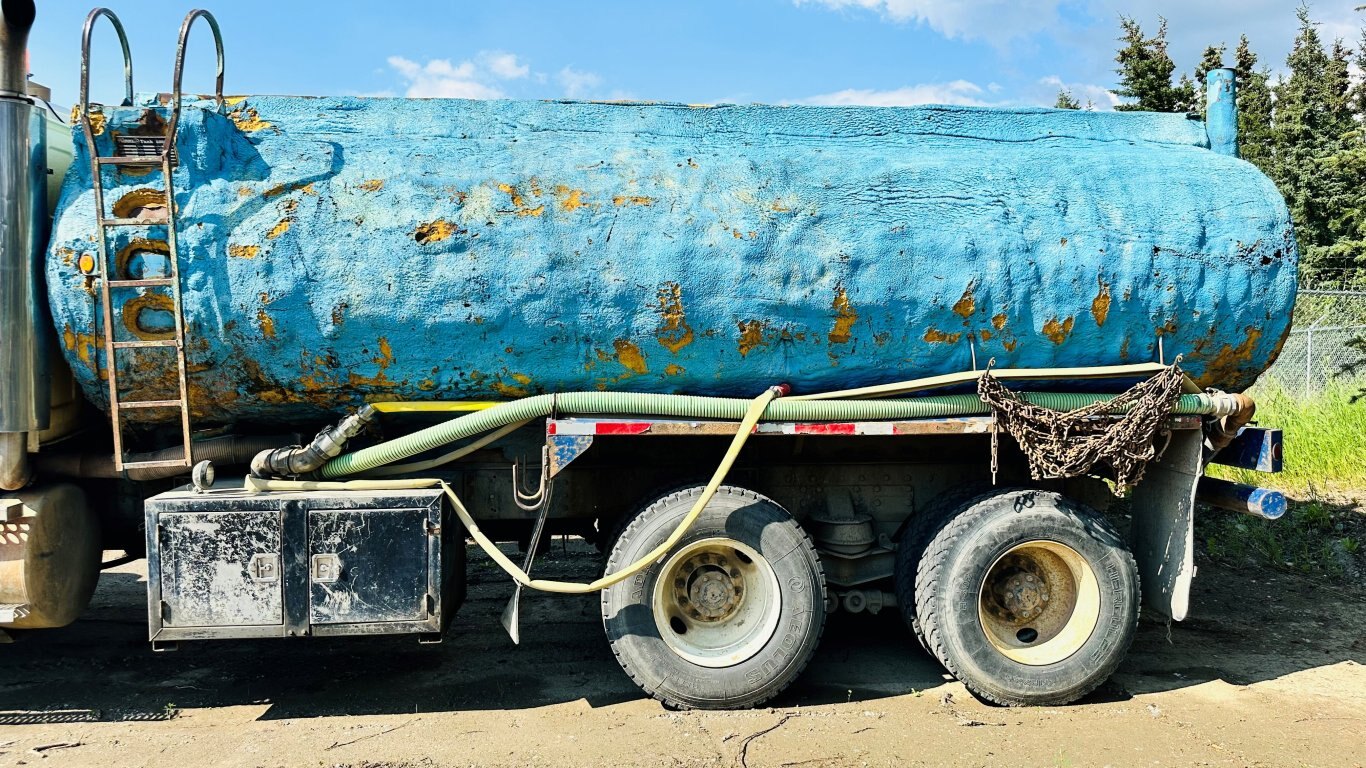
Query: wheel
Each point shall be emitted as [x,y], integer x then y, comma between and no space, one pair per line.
[918,531]
[1028,598]
[727,619]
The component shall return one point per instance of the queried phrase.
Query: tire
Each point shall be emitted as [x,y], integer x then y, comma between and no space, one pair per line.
[1028,598]
[683,631]
[915,536]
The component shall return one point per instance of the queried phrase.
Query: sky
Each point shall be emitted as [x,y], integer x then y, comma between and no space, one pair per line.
[877,52]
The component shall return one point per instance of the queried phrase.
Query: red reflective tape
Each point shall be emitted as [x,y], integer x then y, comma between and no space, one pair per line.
[550,427]
[824,429]
[623,427]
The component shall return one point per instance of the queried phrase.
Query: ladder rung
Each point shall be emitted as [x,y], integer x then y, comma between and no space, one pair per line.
[151,464]
[133,222]
[130,160]
[143,283]
[140,344]
[149,404]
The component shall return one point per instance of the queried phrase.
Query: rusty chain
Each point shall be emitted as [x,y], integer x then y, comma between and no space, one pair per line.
[1061,444]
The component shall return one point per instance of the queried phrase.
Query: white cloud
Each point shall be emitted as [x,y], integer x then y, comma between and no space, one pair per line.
[1099,96]
[959,92]
[997,21]
[504,65]
[577,83]
[439,78]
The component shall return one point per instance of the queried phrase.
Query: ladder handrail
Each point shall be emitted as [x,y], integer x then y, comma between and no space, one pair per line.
[90,20]
[180,68]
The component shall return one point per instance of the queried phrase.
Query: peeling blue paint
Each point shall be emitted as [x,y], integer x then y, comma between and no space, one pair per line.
[342,249]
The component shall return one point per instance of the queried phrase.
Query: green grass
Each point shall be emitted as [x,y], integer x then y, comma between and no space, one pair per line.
[1324,531]
[1325,443]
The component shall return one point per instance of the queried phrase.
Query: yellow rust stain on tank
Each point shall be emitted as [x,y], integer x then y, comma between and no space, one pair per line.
[520,205]
[244,251]
[630,356]
[132,315]
[386,354]
[1057,331]
[674,369]
[372,185]
[570,199]
[751,336]
[674,332]
[936,336]
[1010,345]
[141,203]
[248,120]
[998,321]
[96,120]
[433,231]
[1100,306]
[1230,359]
[966,304]
[282,189]
[621,200]
[83,344]
[778,206]
[845,317]
[267,324]
[279,229]
[985,334]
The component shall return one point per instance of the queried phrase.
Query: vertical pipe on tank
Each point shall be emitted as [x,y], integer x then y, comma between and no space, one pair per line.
[19,249]
[1221,111]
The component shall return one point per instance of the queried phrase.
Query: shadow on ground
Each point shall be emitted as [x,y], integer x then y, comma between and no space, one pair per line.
[1246,627]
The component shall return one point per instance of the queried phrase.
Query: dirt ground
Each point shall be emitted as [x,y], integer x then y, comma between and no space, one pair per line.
[1267,672]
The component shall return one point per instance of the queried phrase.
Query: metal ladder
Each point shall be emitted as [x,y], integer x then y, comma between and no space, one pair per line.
[151,153]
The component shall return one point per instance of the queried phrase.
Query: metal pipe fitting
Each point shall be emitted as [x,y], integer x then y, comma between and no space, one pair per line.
[297,460]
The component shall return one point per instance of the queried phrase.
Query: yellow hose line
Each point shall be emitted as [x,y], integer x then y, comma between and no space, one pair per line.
[752,416]
[434,406]
[445,458]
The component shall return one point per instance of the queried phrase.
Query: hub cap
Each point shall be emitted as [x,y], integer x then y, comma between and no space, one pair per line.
[716,602]
[1039,603]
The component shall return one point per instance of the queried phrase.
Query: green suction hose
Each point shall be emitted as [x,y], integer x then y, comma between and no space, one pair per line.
[691,407]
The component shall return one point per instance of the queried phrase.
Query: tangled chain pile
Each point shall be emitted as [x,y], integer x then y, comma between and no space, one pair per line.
[1067,444]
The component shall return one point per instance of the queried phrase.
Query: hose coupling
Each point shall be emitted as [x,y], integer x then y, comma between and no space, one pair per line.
[297,460]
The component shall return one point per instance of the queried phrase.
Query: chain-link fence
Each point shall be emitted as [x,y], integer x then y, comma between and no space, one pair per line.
[1325,345]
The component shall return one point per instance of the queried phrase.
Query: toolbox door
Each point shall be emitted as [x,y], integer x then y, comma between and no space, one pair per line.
[220,569]
[369,566]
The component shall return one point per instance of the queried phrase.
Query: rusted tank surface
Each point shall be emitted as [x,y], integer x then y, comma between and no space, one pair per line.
[337,250]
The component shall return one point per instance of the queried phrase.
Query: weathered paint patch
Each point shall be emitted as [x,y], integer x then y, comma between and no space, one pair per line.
[673,333]
[433,231]
[520,205]
[936,336]
[998,321]
[570,200]
[751,336]
[139,311]
[630,356]
[966,304]
[632,200]
[845,317]
[371,185]
[247,119]
[97,120]
[1100,306]
[1057,331]
[674,369]
[244,251]
[141,203]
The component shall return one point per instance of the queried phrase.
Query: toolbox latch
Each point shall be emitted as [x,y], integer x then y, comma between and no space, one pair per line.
[326,568]
[264,567]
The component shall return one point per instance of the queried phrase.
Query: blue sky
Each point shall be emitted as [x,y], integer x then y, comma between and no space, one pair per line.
[699,51]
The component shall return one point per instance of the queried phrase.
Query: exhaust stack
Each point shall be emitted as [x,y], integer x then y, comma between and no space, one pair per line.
[23,214]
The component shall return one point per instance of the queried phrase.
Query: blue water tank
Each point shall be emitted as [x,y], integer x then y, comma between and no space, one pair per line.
[338,250]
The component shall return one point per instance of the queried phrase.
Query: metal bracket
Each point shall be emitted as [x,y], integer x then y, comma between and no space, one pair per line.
[325,568]
[531,501]
[264,567]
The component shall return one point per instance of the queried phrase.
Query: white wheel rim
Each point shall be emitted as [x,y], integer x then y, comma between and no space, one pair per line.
[716,602]
[1039,603]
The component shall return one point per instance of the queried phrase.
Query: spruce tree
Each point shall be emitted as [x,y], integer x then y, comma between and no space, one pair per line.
[1213,58]
[1066,100]
[1254,107]
[1145,70]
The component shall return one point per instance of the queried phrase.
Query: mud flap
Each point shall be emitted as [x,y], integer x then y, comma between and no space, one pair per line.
[1163,507]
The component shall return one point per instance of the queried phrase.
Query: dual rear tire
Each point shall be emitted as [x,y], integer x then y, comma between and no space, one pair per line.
[1025,596]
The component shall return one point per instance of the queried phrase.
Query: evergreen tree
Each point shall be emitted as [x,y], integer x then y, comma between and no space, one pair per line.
[1066,100]
[1187,96]
[1145,70]
[1311,126]
[1213,58]
[1254,107]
